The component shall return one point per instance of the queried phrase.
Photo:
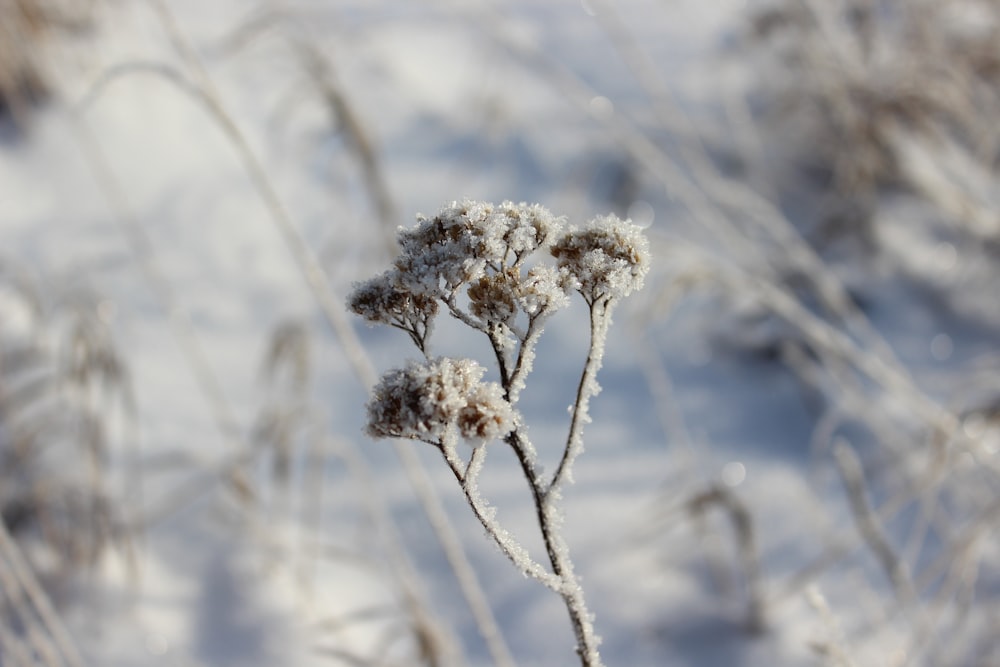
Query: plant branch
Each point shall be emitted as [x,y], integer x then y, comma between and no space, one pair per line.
[600,311]
[558,553]
[467,474]
[525,356]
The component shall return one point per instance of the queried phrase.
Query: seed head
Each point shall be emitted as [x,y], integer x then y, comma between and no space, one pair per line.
[433,400]
[609,258]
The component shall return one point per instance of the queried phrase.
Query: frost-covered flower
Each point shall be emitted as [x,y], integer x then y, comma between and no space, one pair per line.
[487,415]
[544,289]
[609,257]
[388,299]
[528,227]
[468,239]
[433,400]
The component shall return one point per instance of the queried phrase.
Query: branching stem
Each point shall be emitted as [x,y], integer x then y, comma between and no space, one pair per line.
[558,553]
[466,475]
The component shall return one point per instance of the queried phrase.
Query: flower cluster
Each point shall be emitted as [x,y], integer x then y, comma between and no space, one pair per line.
[435,400]
[480,246]
[387,299]
[485,249]
[609,257]
[467,239]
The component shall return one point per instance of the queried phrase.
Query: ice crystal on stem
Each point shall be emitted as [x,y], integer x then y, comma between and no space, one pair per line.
[484,264]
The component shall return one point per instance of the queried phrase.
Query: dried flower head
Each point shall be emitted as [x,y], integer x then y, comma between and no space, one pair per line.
[609,257]
[388,299]
[528,227]
[467,239]
[433,400]
[493,298]
[544,290]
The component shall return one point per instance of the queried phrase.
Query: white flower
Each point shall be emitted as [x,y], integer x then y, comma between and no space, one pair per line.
[609,257]
[433,400]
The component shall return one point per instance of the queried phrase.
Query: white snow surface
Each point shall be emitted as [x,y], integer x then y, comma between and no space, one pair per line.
[517,101]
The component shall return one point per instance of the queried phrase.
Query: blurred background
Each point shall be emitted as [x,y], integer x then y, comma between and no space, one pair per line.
[794,457]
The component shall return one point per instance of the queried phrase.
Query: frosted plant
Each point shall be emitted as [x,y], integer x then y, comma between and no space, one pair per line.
[485,265]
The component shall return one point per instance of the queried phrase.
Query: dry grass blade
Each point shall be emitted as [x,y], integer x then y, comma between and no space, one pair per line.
[61,383]
[35,602]
[288,357]
[344,117]
[898,93]
[869,526]
[22,84]
[26,29]
[742,521]
[316,280]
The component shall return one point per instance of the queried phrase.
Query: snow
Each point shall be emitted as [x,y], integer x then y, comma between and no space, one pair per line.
[127,187]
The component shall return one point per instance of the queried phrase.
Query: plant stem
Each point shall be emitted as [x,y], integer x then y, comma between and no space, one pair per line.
[599,322]
[542,493]
[515,553]
[558,553]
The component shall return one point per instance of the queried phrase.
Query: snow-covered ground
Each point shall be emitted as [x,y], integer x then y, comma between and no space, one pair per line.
[200,163]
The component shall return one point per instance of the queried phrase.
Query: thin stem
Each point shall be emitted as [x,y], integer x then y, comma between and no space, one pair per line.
[462,316]
[600,310]
[525,357]
[517,554]
[558,553]
[548,520]
[496,342]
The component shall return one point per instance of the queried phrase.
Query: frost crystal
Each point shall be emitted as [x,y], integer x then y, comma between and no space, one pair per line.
[433,400]
[609,257]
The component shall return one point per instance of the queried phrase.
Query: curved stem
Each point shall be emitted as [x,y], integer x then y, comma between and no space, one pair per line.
[510,547]
[562,579]
[600,319]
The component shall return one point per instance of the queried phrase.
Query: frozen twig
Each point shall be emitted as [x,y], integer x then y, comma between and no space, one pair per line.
[509,546]
[600,320]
